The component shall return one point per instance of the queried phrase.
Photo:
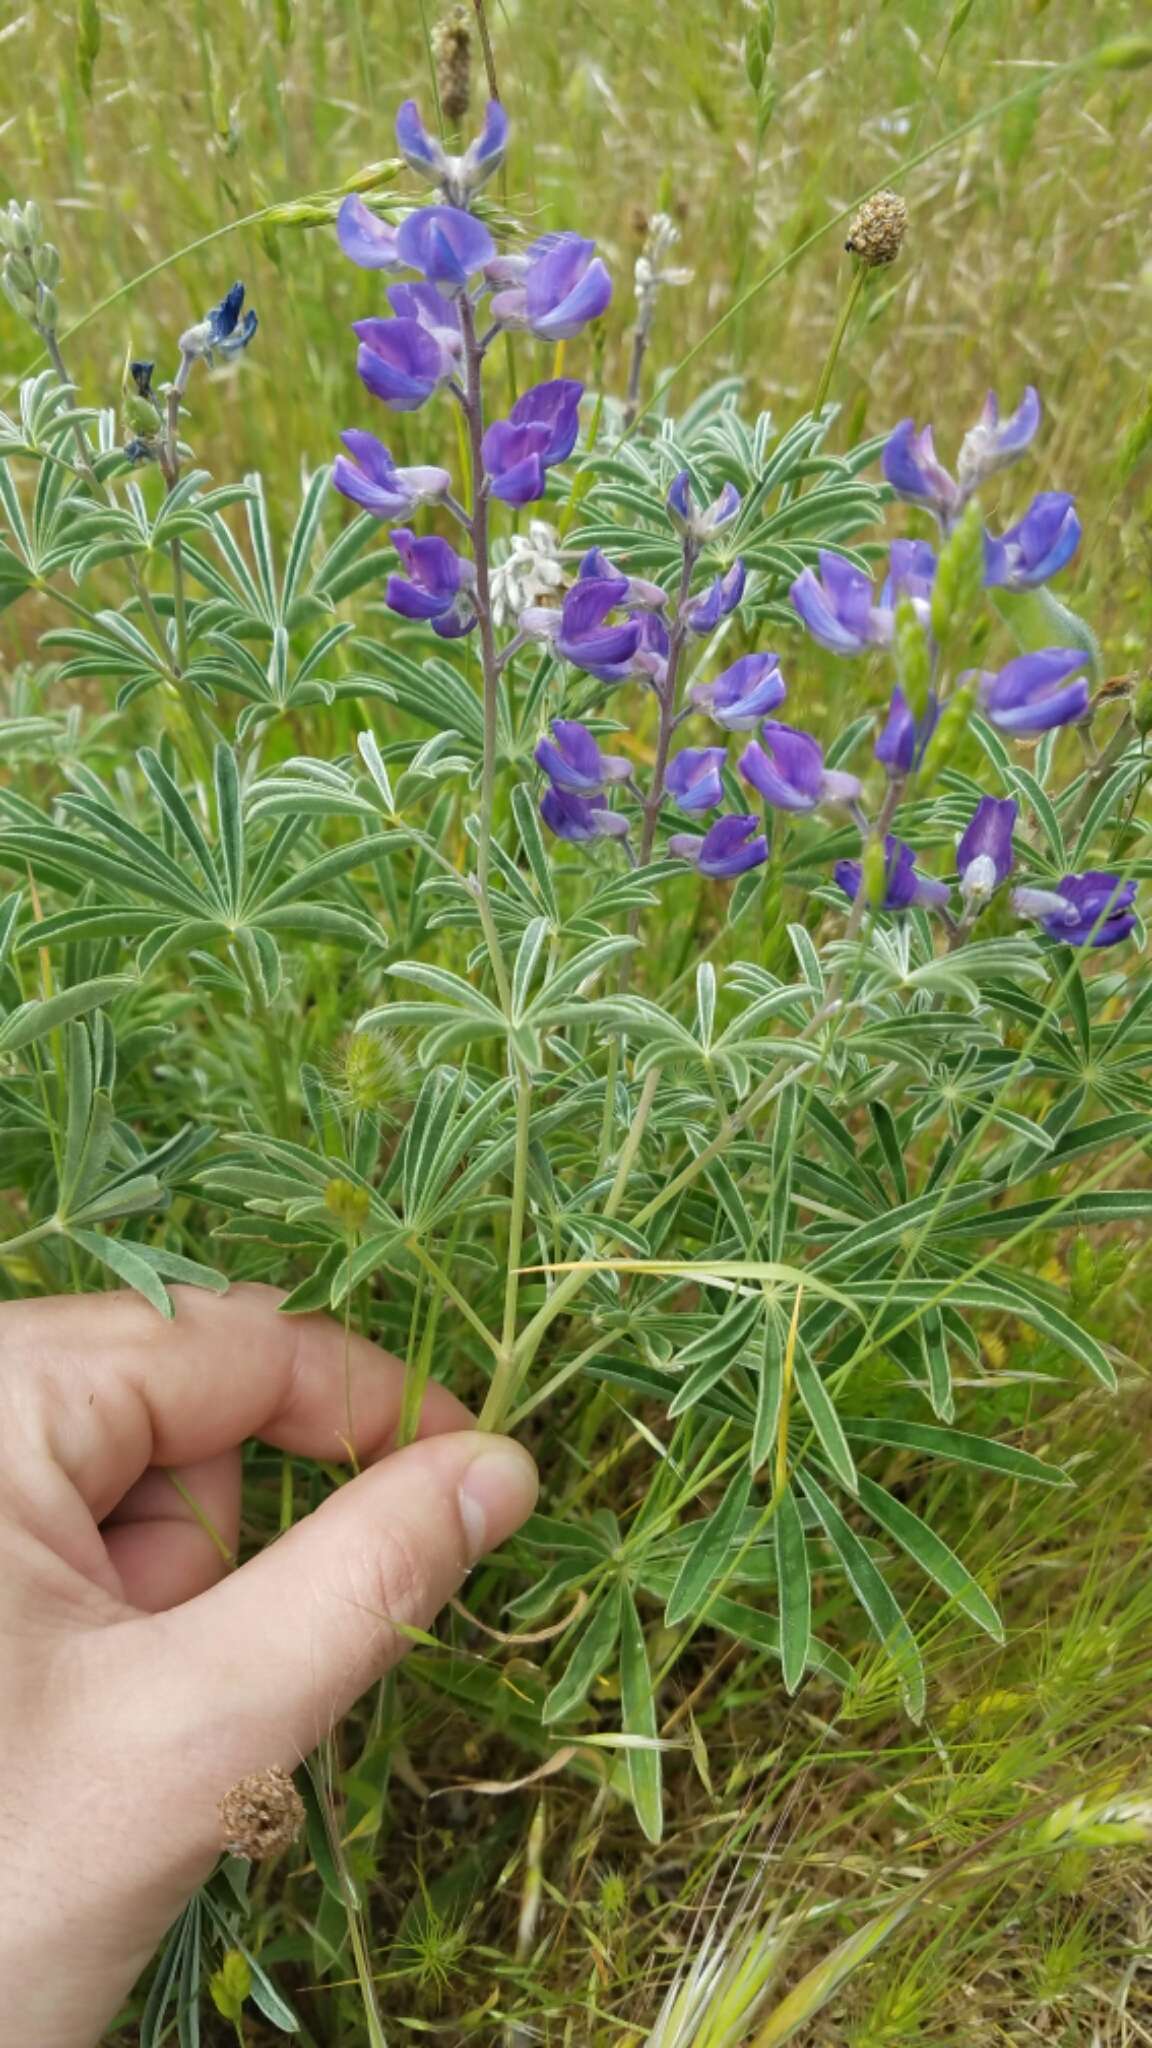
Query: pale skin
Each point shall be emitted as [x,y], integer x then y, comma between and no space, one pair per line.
[140,1674]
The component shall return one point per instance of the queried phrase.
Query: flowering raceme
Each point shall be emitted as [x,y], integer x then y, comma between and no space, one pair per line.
[604,625]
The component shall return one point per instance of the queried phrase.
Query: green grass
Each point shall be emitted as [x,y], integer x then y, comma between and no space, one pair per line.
[543,1915]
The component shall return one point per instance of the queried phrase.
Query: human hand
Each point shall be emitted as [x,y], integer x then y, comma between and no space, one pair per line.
[141,1676]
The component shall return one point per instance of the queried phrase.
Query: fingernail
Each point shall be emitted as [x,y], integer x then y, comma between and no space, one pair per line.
[498,1490]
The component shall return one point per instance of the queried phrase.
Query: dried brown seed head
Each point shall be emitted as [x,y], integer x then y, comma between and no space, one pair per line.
[452,52]
[877,230]
[261,1815]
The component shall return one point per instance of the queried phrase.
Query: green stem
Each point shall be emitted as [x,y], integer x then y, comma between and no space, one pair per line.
[473,410]
[837,341]
[519,1201]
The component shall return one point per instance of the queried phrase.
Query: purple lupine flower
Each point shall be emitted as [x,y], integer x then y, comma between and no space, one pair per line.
[693,778]
[222,331]
[372,479]
[984,855]
[572,761]
[914,471]
[703,614]
[744,694]
[540,430]
[911,573]
[555,289]
[786,768]
[573,817]
[431,310]
[690,520]
[993,443]
[438,586]
[459,177]
[1034,692]
[1093,909]
[582,630]
[838,609]
[596,565]
[400,362]
[1036,547]
[901,744]
[904,887]
[366,240]
[445,244]
[729,847]
[652,648]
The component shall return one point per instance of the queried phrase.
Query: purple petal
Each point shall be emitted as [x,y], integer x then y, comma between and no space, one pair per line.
[744,693]
[411,601]
[555,405]
[399,361]
[730,847]
[365,240]
[446,245]
[693,778]
[1032,693]
[416,146]
[989,838]
[787,770]
[573,762]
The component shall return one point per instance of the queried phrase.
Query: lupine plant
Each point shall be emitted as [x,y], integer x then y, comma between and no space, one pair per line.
[336,893]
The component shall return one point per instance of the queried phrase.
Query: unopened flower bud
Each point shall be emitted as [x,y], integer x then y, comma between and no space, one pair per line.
[452,54]
[950,730]
[33,224]
[877,229]
[874,873]
[46,263]
[48,312]
[18,270]
[959,575]
[913,656]
[20,302]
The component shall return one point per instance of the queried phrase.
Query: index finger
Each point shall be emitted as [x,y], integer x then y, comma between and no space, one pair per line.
[107,1388]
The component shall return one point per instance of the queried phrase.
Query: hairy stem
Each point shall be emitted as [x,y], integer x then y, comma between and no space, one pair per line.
[472,404]
[666,696]
[837,341]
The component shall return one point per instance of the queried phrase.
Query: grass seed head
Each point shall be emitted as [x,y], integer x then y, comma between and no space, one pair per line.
[452,51]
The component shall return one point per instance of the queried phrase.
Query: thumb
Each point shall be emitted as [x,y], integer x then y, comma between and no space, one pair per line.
[256,1671]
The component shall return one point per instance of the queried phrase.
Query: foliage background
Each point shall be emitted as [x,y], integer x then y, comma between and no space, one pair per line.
[141,131]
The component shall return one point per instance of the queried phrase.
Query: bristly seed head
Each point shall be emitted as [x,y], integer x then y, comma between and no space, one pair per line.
[261,1815]
[371,1072]
[452,52]
[877,229]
